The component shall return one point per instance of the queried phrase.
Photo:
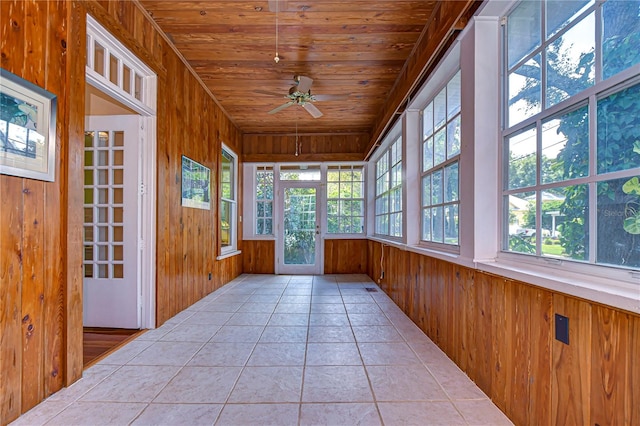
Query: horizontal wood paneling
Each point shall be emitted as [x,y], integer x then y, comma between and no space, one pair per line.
[501,333]
[345,256]
[258,256]
[282,148]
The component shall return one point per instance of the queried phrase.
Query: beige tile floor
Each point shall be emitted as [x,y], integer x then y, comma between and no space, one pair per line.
[277,350]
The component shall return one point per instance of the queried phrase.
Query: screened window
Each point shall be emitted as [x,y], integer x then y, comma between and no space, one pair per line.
[440,159]
[571,153]
[388,202]
[345,200]
[228,200]
[264,201]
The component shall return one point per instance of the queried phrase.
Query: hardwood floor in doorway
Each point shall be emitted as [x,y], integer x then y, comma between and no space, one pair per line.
[100,342]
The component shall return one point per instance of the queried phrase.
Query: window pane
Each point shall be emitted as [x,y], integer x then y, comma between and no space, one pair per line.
[358,189]
[225,223]
[333,176]
[619,222]
[436,187]
[427,121]
[426,224]
[571,62]
[451,224]
[619,131]
[426,190]
[520,212]
[451,183]
[565,227]
[523,31]
[525,91]
[565,146]
[440,109]
[453,96]
[453,138]
[522,159]
[440,147]
[427,154]
[559,13]
[437,223]
[621,36]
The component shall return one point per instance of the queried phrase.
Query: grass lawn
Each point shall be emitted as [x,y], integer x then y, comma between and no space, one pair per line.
[551,249]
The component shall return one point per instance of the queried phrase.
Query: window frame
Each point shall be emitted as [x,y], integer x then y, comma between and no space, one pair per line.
[264,169]
[394,144]
[232,248]
[441,166]
[340,168]
[589,97]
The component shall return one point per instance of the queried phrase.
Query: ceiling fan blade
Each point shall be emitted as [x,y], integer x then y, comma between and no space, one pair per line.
[304,83]
[331,97]
[281,107]
[311,109]
[266,92]
[281,5]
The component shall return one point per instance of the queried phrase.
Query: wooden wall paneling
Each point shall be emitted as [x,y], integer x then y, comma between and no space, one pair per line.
[35,18]
[345,256]
[32,293]
[258,256]
[501,342]
[519,353]
[540,357]
[570,386]
[62,295]
[480,332]
[10,297]
[610,367]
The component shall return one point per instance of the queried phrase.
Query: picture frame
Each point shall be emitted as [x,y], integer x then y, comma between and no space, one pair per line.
[27,129]
[196,184]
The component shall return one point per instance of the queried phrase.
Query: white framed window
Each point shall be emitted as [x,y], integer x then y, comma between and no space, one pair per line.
[388,195]
[571,138]
[228,201]
[441,123]
[264,200]
[345,199]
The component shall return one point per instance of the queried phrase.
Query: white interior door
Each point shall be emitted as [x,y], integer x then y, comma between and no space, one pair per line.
[299,231]
[111,204]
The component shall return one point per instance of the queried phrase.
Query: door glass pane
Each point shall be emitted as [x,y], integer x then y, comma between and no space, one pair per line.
[299,226]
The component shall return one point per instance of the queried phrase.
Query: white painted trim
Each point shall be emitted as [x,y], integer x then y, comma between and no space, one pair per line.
[148,158]
[230,250]
[229,254]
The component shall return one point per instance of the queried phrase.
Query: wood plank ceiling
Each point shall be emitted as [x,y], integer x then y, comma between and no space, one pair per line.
[355,49]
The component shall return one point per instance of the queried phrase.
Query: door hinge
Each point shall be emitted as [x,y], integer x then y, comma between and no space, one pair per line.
[143,189]
[141,245]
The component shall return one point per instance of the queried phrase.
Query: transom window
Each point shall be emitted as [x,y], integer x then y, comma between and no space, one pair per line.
[388,219]
[571,154]
[345,200]
[440,159]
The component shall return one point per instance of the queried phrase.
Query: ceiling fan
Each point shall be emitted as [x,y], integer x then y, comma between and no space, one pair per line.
[300,94]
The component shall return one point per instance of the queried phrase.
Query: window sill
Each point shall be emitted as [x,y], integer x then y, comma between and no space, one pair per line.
[612,292]
[260,238]
[615,293]
[229,254]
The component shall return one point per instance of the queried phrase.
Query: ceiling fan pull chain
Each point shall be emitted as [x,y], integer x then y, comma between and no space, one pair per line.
[276,58]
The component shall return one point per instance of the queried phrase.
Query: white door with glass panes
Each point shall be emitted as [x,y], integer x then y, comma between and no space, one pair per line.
[299,230]
[111,203]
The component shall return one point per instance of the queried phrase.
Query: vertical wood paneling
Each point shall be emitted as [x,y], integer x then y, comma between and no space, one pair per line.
[571,402]
[610,404]
[501,341]
[282,147]
[345,256]
[11,298]
[540,357]
[32,294]
[258,256]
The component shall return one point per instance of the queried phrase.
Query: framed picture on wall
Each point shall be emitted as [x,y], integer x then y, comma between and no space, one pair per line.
[196,184]
[27,129]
